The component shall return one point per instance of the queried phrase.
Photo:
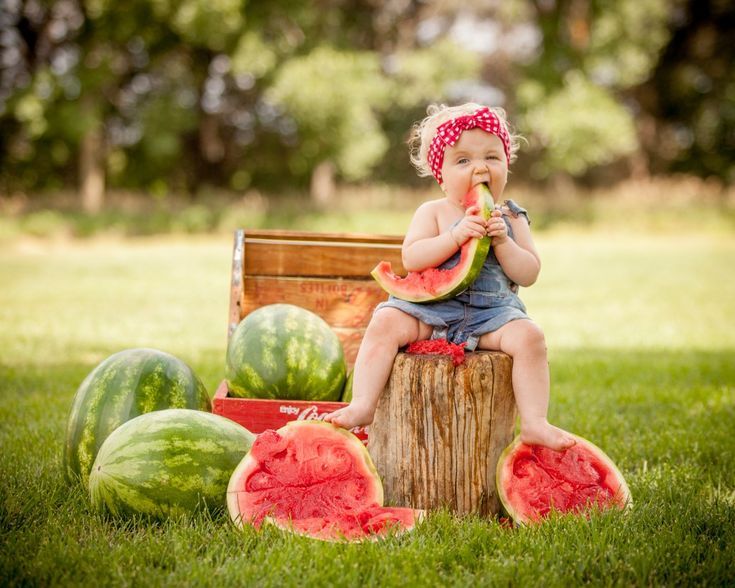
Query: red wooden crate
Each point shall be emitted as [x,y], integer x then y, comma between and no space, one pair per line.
[327,273]
[258,415]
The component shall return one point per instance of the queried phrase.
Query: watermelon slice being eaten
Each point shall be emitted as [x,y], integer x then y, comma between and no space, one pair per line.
[434,284]
[533,480]
[313,479]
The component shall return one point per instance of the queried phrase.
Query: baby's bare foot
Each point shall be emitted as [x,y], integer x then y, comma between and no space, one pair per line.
[350,416]
[543,433]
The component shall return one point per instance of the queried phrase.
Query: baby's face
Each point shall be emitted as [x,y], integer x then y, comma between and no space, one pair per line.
[478,157]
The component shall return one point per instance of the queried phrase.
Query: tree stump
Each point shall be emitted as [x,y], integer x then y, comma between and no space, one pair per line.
[439,430]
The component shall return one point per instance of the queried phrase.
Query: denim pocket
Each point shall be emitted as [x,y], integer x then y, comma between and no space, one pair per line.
[489,299]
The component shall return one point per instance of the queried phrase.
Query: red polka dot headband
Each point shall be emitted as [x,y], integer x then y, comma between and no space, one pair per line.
[449,132]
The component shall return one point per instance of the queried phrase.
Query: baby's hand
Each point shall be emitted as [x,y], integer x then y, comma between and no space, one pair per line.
[496,228]
[472,226]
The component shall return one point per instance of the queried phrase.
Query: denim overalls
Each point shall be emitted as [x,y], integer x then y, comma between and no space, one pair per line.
[487,304]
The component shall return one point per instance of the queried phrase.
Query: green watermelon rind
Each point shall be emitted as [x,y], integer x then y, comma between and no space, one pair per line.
[124,385]
[353,443]
[623,496]
[285,352]
[167,463]
[347,390]
[474,253]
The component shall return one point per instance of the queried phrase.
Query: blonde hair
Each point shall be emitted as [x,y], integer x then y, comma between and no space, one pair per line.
[423,132]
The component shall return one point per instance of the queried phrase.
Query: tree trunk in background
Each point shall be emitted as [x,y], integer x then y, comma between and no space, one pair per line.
[323,187]
[210,142]
[92,170]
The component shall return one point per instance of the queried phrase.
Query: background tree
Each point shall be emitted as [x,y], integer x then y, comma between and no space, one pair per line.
[687,104]
[175,96]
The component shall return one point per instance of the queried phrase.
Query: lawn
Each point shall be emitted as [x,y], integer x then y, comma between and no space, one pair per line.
[642,352]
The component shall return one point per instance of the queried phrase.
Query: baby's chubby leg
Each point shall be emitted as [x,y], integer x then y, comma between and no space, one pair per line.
[388,331]
[524,341]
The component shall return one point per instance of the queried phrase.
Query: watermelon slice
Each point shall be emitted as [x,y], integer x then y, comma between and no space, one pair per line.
[434,284]
[533,481]
[313,479]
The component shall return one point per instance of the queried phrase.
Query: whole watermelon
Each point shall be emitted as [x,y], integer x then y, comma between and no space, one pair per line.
[286,352]
[123,386]
[168,463]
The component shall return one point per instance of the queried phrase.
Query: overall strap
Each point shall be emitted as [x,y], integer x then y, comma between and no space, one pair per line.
[516,210]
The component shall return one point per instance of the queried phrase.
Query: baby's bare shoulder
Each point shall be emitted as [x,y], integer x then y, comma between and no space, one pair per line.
[430,209]
[434,205]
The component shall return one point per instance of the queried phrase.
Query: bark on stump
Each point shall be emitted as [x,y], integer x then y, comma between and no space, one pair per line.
[439,430]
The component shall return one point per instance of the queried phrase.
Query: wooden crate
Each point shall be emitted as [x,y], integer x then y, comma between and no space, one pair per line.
[327,273]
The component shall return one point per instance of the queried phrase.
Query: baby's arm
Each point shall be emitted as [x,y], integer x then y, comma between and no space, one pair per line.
[426,245]
[518,258]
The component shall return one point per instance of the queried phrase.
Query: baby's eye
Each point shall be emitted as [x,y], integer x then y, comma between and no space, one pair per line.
[462,160]
[491,156]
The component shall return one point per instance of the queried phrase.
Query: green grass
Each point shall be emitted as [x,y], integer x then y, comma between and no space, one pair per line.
[642,360]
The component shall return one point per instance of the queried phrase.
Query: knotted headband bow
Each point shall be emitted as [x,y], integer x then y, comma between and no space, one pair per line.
[448,134]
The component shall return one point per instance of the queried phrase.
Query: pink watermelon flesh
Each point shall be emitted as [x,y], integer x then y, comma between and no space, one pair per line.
[314,479]
[429,282]
[438,347]
[374,521]
[434,284]
[533,481]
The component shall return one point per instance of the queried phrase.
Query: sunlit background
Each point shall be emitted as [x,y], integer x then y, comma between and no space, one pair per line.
[241,101]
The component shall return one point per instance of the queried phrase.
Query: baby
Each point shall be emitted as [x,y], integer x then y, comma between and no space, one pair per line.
[462,147]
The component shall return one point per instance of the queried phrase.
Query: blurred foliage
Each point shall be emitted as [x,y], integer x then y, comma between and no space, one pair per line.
[659,206]
[569,128]
[244,93]
[334,96]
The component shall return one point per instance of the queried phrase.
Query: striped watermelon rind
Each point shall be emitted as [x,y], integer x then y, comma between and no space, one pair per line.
[434,284]
[168,463]
[347,390]
[123,386]
[283,351]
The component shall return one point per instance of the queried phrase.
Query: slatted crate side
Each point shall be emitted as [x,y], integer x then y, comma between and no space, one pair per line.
[317,258]
[333,269]
[286,235]
[340,302]
[327,273]
[351,338]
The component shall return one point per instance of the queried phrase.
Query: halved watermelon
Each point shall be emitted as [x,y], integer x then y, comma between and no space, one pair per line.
[533,481]
[434,284]
[313,479]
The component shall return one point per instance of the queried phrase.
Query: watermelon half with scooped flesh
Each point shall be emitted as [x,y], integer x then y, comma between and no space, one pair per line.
[315,479]
[534,481]
[434,284]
